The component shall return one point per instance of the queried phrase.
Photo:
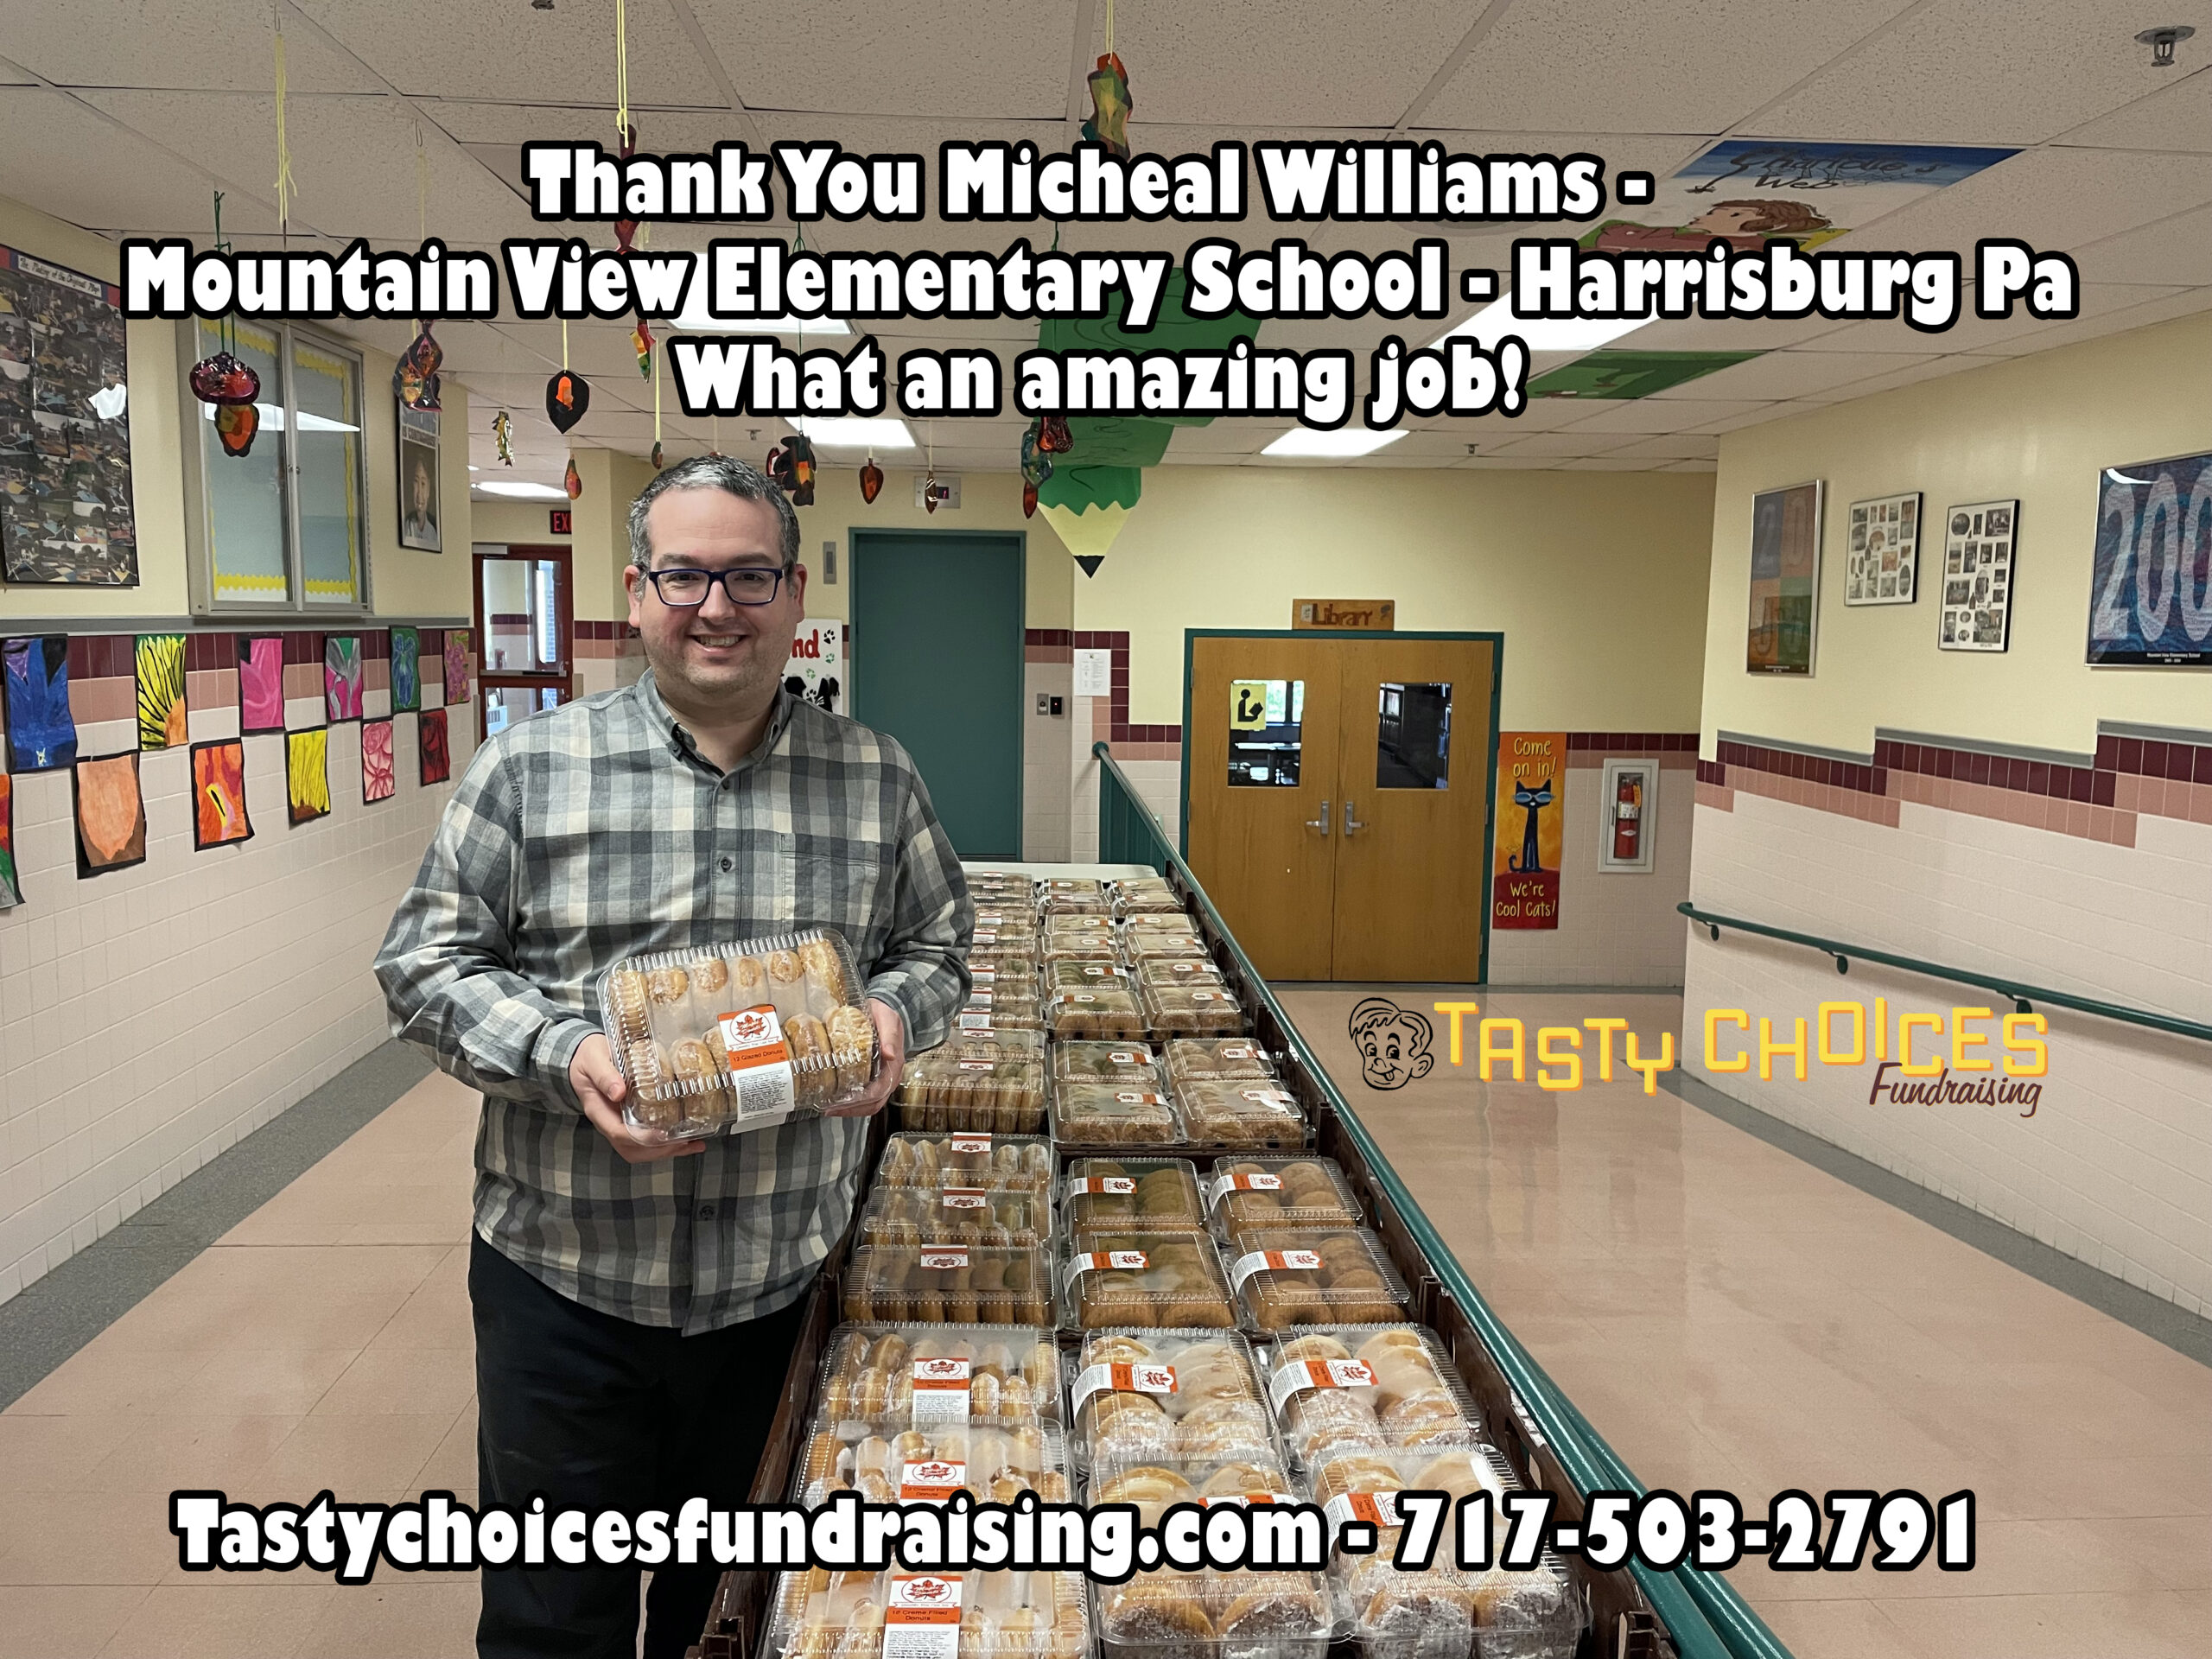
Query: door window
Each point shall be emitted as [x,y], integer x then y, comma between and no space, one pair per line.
[1412,740]
[1266,733]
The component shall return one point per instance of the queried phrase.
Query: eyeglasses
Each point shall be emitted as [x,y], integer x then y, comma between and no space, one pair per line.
[745,584]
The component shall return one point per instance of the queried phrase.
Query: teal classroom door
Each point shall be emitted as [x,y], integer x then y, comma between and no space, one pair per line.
[937,663]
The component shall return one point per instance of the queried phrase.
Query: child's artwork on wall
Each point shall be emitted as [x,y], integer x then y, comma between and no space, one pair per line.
[110,815]
[1978,575]
[307,773]
[219,794]
[159,659]
[341,677]
[12,887]
[431,739]
[1880,568]
[377,780]
[406,669]
[42,732]
[261,683]
[1785,580]
[456,665]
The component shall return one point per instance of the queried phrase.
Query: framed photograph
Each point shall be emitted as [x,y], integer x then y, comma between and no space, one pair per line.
[419,479]
[1628,811]
[1882,563]
[1785,580]
[1978,543]
[2151,577]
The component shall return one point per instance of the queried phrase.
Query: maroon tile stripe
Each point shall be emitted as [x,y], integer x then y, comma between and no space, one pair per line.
[2094,784]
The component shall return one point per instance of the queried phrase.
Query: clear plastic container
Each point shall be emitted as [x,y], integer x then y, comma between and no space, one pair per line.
[991,1081]
[1018,1163]
[903,1273]
[1083,973]
[1192,1010]
[1161,922]
[1155,947]
[1132,1064]
[1250,1195]
[1365,1387]
[1170,1615]
[1314,1275]
[952,1214]
[1110,1010]
[1142,1195]
[1179,970]
[1015,1004]
[1249,1113]
[730,1039]
[1075,896]
[1004,920]
[1133,899]
[1078,947]
[1190,1059]
[1445,1611]
[1139,1396]
[888,1378]
[1173,1280]
[901,1615]
[1239,1475]
[1113,1114]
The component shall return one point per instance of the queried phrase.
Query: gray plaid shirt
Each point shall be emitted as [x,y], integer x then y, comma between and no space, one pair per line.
[595,831]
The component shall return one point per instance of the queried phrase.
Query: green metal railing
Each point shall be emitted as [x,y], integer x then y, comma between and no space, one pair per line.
[2024,997]
[1704,1616]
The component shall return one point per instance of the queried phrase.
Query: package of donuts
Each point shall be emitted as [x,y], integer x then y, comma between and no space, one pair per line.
[727,1039]
[1497,1612]
[1146,895]
[1165,1614]
[1250,1195]
[1139,1280]
[1096,944]
[1190,1059]
[1177,971]
[991,1081]
[1240,1112]
[1008,1003]
[949,1213]
[950,1159]
[1201,1009]
[951,1255]
[1113,1114]
[1365,1387]
[1083,973]
[1074,896]
[1080,1061]
[1144,945]
[1146,1395]
[887,1378]
[1314,1275]
[1104,1008]
[897,1614]
[1131,1195]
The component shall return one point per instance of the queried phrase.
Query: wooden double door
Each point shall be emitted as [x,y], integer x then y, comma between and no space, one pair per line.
[1336,799]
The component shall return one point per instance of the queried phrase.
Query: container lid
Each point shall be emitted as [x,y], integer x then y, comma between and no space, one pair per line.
[1136,1278]
[1313,1275]
[1132,1194]
[1245,1194]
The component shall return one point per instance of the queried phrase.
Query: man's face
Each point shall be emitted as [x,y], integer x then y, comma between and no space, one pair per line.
[720,656]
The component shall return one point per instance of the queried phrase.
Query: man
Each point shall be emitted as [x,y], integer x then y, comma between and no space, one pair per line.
[636,1303]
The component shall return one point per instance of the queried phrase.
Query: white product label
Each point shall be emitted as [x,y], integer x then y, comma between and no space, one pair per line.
[1376,1509]
[977,1065]
[1103,1261]
[1083,1184]
[1210,996]
[1268,1097]
[759,1065]
[1138,1097]
[1273,1262]
[981,976]
[932,1480]
[940,1391]
[975,1022]
[967,1198]
[948,1260]
[981,998]
[1303,1374]
[1224,1185]
[980,1144]
[985,936]
[921,1617]
[1128,1056]
[1123,1377]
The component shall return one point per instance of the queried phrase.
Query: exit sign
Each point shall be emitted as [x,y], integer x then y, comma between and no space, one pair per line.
[559,526]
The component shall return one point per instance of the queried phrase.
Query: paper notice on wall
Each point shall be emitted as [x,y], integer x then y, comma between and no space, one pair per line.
[1094,672]
[1530,812]
[819,672]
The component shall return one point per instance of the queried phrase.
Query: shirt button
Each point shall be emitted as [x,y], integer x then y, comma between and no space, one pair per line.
[727,865]
[706,1212]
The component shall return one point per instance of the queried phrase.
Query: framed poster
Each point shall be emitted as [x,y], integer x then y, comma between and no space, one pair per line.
[2151,580]
[66,513]
[1978,575]
[419,479]
[1880,567]
[1785,580]
[1628,808]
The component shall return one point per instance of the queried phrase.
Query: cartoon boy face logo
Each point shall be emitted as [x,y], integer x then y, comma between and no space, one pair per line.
[1393,1043]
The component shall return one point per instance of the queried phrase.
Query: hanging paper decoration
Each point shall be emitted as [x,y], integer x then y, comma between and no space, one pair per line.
[1035,469]
[502,434]
[1088,505]
[235,425]
[415,376]
[658,462]
[791,463]
[572,481]
[641,337]
[1053,437]
[223,380]
[1110,104]
[568,395]
[929,491]
[871,480]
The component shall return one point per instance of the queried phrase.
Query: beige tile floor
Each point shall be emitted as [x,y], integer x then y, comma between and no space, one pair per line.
[1726,1315]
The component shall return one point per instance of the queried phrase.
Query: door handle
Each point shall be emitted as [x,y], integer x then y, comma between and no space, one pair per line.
[1321,822]
[1352,825]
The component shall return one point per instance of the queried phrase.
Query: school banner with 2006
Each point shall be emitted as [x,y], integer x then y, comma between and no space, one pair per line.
[1531,815]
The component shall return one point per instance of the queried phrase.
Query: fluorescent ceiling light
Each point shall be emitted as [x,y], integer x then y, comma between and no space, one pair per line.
[1498,319]
[856,431]
[272,419]
[516,487]
[1344,441]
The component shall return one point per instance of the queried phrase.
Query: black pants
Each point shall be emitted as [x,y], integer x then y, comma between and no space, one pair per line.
[599,1412]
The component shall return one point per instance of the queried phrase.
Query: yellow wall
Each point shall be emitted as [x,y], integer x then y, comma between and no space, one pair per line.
[522,522]
[1596,579]
[2039,427]
[402,582]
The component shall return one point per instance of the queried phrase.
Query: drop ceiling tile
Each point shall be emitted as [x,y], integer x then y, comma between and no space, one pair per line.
[2051,199]
[2176,117]
[1661,66]
[2009,336]
[2094,324]
[1753,416]
[64,160]
[990,58]
[1726,334]
[1564,444]
[2177,250]
[1673,446]
[1651,415]
[1789,374]
[1224,438]
[1971,72]
[219,45]
[1609,464]
[1691,467]
[1930,369]
[661,131]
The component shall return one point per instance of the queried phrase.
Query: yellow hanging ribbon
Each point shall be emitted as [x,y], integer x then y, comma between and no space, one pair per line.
[621,73]
[422,187]
[1109,23]
[286,185]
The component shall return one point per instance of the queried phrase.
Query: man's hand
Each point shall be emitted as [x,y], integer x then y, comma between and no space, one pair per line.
[599,1087]
[891,1038]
